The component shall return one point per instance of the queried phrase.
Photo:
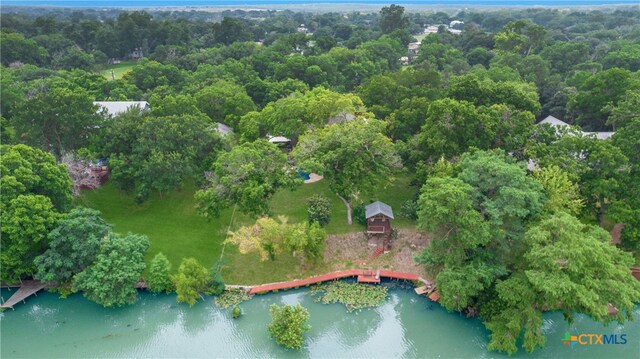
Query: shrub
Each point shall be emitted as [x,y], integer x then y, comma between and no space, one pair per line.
[288,325]
[409,209]
[319,210]
[236,312]
[359,214]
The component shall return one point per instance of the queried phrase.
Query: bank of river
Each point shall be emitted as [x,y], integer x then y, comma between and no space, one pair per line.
[407,325]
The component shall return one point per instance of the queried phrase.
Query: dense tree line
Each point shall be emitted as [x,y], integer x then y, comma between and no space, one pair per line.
[461,117]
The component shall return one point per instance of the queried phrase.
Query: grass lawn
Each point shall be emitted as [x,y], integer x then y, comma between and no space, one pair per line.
[118,70]
[174,227]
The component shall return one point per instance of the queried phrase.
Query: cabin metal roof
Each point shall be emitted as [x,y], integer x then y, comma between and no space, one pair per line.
[378,207]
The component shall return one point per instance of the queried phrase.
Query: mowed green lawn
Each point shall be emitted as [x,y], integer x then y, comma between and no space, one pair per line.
[118,70]
[174,227]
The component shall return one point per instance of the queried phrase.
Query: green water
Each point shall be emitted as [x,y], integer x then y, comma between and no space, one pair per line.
[407,326]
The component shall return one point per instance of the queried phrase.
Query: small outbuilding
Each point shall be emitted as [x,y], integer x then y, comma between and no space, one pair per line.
[379,217]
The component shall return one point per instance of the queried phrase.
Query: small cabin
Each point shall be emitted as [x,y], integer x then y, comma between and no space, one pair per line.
[379,217]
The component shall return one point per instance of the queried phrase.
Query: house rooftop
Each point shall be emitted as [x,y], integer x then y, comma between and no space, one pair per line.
[553,122]
[278,139]
[378,207]
[115,108]
[223,129]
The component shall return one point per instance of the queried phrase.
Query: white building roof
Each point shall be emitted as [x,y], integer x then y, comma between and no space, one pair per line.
[599,135]
[553,122]
[115,108]
[278,139]
[559,123]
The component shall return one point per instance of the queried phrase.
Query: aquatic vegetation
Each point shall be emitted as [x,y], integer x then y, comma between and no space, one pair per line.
[230,298]
[353,295]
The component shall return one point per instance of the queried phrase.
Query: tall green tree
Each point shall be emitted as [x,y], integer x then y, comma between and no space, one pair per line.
[159,279]
[224,102]
[597,166]
[392,18]
[73,245]
[26,222]
[191,280]
[57,117]
[26,170]
[567,266]
[111,279]
[247,175]
[352,156]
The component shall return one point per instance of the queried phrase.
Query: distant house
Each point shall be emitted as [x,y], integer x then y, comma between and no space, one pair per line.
[114,108]
[341,117]
[554,122]
[137,53]
[223,129]
[455,23]
[557,124]
[379,216]
[413,49]
[303,29]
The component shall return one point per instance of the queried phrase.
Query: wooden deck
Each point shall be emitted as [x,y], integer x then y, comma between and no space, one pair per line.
[27,289]
[364,274]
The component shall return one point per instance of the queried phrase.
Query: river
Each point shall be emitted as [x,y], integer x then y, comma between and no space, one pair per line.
[407,326]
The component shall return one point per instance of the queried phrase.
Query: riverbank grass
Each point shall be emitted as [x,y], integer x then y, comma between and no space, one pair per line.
[118,70]
[175,229]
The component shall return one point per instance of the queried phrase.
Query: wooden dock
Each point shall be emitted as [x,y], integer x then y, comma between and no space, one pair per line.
[27,289]
[358,273]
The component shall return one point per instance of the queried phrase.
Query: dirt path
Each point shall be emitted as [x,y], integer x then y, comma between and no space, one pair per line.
[353,250]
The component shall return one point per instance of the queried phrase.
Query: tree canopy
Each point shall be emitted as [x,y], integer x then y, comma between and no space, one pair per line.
[352,156]
[111,279]
[248,176]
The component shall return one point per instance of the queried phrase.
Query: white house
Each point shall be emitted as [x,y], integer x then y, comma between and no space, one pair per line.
[556,123]
[115,108]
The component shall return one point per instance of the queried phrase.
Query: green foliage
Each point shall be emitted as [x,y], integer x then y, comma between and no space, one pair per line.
[26,222]
[224,102]
[192,279]
[409,209]
[562,194]
[599,170]
[58,116]
[359,214]
[288,325]
[73,245]
[15,48]
[270,238]
[248,175]
[236,312]
[567,266]
[26,170]
[447,210]
[111,279]
[293,115]
[353,295]
[319,210]
[159,279]
[231,298]
[150,153]
[392,18]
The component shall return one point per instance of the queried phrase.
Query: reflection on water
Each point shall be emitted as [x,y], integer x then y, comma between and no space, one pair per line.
[407,326]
